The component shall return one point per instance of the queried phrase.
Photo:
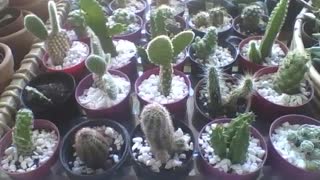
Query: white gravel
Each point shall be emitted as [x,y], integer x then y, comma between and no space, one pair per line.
[221,57]
[126,50]
[277,54]
[264,86]
[95,98]
[45,143]
[227,25]
[254,157]
[149,90]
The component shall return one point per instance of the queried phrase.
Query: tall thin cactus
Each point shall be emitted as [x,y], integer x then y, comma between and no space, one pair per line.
[214,94]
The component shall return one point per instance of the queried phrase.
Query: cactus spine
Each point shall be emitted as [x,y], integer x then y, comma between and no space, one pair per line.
[77,21]
[92,147]
[22,133]
[160,19]
[251,17]
[57,42]
[161,51]
[217,16]
[214,94]
[207,45]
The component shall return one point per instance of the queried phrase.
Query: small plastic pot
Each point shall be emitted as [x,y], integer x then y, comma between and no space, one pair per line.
[209,171]
[306,34]
[134,36]
[141,13]
[43,170]
[177,109]
[237,32]
[245,65]
[261,104]
[145,172]
[66,151]
[119,112]
[281,165]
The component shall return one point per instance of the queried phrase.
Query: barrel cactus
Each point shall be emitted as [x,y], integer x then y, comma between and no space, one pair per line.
[251,18]
[201,19]
[217,16]
[207,45]
[123,16]
[78,23]
[57,42]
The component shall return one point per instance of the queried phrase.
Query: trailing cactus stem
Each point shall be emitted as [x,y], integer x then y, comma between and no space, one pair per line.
[108,46]
[165,80]
[214,94]
[254,53]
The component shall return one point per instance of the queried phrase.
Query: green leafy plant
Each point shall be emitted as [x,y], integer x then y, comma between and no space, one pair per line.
[207,45]
[78,23]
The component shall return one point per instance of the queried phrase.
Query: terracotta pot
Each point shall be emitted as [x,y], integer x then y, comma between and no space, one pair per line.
[135,36]
[42,170]
[306,34]
[141,13]
[15,24]
[261,104]
[245,65]
[38,7]
[237,21]
[210,171]
[281,165]
[6,66]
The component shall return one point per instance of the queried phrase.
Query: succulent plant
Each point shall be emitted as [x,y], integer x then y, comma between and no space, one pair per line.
[123,16]
[201,19]
[78,23]
[217,16]
[207,45]
[162,50]
[232,141]
[57,42]
[214,93]
[22,132]
[251,18]
[92,147]
[36,95]
[254,53]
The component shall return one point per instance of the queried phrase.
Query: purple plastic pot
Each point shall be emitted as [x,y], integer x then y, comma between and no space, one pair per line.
[235,23]
[261,104]
[209,171]
[245,65]
[306,34]
[42,170]
[177,109]
[281,165]
[134,36]
[119,112]
[141,13]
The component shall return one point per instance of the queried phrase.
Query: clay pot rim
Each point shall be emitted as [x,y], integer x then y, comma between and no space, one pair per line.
[140,22]
[112,4]
[6,55]
[236,21]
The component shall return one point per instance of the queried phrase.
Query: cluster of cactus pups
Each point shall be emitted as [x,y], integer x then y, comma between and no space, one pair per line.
[251,19]
[78,23]
[123,16]
[307,139]
[204,47]
[232,141]
[216,16]
[57,41]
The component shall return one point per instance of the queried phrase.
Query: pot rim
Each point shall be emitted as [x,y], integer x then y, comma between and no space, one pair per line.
[112,4]
[140,22]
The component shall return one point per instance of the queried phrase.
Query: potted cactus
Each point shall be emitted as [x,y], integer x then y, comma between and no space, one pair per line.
[232,149]
[209,50]
[161,148]
[294,147]
[6,66]
[30,149]
[165,85]
[178,6]
[257,52]
[95,149]
[63,54]
[77,23]
[138,7]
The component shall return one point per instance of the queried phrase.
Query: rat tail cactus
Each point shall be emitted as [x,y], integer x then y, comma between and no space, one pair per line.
[207,45]
[217,16]
[162,50]
[77,21]
[57,42]
[92,147]
[214,94]
[22,133]
[251,18]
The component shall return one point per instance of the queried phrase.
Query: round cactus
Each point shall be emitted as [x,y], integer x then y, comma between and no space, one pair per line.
[306,146]
[78,23]
[251,17]
[205,46]
[217,16]
[123,16]
[201,19]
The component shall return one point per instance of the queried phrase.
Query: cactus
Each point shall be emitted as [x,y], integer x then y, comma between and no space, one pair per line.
[160,21]
[217,16]
[123,16]
[78,23]
[251,17]
[213,89]
[57,42]
[22,133]
[207,45]
[161,51]
[121,3]
[254,53]
[291,72]
[92,147]
[218,141]
[36,96]
[201,19]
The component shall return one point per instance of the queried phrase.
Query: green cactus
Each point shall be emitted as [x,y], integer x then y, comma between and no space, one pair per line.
[251,18]
[35,95]
[161,51]
[214,94]
[78,23]
[218,141]
[306,146]
[254,53]
[92,147]
[162,2]
[57,42]
[201,19]
[123,16]
[217,16]
[22,132]
[239,144]
[207,45]
[291,72]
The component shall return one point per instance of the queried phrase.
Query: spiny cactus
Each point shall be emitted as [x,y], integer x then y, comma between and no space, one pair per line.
[201,19]
[232,141]
[92,147]
[22,132]
[78,23]
[214,94]
[251,18]
[254,53]
[34,95]
[217,16]
[57,42]
[207,45]
[162,50]
[123,16]
[291,72]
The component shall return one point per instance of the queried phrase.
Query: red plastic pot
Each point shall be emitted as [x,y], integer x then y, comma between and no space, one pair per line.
[43,169]
[134,36]
[120,111]
[261,104]
[141,13]
[177,109]
[281,165]
[235,23]
[209,171]
[245,65]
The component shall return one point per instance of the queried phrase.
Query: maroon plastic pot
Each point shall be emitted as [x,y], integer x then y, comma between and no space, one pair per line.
[134,36]
[177,109]
[209,171]
[141,13]
[129,69]
[237,20]
[42,170]
[120,111]
[261,104]
[245,65]
[281,165]
[306,34]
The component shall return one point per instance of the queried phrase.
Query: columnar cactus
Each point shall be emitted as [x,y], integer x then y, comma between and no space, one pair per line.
[78,23]
[254,53]
[160,19]
[217,16]
[92,147]
[291,72]
[207,45]
[123,16]
[162,50]
[214,94]
[251,18]
[57,42]
[22,132]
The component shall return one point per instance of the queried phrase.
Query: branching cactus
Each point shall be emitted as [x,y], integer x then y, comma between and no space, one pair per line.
[214,94]
[201,19]
[160,19]
[78,23]
[122,3]
[251,17]
[217,16]
[207,45]
[162,50]
[291,72]
[92,147]
[22,133]
[123,16]
[57,42]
